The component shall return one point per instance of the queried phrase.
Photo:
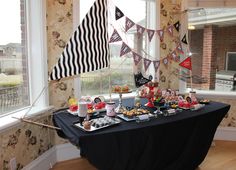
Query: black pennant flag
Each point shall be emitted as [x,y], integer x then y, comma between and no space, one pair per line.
[177,26]
[184,40]
[119,13]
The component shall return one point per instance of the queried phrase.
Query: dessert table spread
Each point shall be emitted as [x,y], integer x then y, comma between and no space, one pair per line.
[178,142]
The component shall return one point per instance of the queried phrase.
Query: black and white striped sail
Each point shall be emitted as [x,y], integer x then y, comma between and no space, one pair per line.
[87,49]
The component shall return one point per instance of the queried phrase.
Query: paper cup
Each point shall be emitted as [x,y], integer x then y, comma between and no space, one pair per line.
[82,109]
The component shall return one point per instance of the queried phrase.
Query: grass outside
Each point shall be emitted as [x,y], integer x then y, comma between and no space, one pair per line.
[10,80]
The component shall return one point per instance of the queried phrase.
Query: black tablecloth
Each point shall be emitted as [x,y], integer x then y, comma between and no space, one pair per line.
[178,142]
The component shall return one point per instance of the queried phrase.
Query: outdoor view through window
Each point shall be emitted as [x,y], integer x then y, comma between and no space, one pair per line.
[141,12]
[212,40]
[13,63]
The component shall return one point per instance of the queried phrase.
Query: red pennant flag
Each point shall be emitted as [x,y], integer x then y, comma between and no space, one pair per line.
[137,58]
[115,37]
[161,34]
[128,24]
[186,63]
[124,49]
[156,65]
[140,30]
[150,34]
[147,63]
[170,30]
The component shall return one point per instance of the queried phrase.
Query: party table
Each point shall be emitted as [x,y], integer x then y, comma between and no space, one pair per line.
[178,142]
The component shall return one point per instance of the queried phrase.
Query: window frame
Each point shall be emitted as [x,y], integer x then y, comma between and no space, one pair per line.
[76,21]
[183,85]
[37,64]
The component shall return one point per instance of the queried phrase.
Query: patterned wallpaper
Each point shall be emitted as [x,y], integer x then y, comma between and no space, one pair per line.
[25,142]
[59,30]
[169,72]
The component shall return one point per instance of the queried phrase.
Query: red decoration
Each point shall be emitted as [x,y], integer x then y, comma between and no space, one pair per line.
[186,63]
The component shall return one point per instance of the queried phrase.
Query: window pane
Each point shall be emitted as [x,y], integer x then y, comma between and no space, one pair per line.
[13,63]
[121,68]
[212,40]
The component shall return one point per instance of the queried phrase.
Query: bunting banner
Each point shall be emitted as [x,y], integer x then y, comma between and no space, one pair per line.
[150,34]
[128,24]
[115,37]
[161,34]
[184,39]
[140,30]
[177,26]
[124,49]
[87,49]
[118,13]
[137,58]
[156,65]
[170,30]
[147,63]
[187,63]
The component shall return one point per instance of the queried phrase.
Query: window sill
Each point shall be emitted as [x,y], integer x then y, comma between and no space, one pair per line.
[214,94]
[9,121]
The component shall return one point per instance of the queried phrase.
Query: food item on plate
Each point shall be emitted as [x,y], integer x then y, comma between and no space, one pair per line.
[204,101]
[135,112]
[73,108]
[120,89]
[87,125]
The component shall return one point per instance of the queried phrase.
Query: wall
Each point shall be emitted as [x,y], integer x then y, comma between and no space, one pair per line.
[169,15]
[25,142]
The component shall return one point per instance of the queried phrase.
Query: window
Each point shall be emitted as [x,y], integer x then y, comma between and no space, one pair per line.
[212,35]
[23,68]
[122,68]
[231,61]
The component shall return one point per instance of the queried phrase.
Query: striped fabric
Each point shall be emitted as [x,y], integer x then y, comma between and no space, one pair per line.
[87,49]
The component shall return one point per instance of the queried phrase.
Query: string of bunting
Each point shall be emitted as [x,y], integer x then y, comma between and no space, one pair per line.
[125,49]
[141,30]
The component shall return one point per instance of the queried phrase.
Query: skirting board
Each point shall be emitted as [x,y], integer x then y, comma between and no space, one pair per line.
[56,154]
[225,133]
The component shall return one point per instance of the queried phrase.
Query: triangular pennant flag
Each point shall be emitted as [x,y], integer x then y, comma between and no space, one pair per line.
[170,30]
[124,49]
[186,63]
[140,30]
[115,37]
[156,65]
[140,80]
[137,58]
[184,39]
[147,63]
[177,26]
[118,13]
[82,54]
[179,48]
[161,34]
[128,24]
[150,34]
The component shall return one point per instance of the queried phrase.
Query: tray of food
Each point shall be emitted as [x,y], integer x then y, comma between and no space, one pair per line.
[98,123]
[130,115]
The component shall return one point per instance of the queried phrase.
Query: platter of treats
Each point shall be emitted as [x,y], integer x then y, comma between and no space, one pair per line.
[130,115]
[98,123]
[121,89]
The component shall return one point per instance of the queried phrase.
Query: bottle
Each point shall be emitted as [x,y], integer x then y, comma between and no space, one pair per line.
[137,100]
